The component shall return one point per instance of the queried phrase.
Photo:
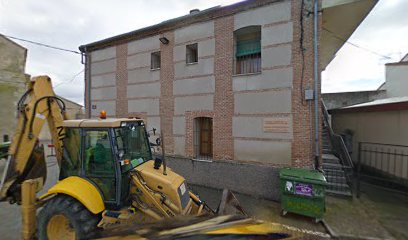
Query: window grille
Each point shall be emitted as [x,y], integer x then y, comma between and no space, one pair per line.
[192,53]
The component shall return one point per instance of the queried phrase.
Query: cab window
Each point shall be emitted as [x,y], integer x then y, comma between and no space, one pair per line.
[99,162]
[70,162]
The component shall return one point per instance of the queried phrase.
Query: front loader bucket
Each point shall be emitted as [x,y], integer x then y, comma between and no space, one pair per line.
[230,205]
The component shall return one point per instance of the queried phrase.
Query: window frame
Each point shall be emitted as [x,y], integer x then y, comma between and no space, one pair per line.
[155,56]
[116,203]
[250,63]
[194,49]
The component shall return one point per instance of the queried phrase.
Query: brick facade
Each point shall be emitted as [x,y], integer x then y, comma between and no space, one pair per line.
[121,81]
[166,92]
[303,111]
[223,98]
[298,146]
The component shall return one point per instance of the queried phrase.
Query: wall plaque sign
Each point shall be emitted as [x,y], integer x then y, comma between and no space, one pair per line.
[276,124]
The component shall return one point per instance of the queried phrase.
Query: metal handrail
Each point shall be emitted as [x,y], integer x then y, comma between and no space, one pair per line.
[337,141]
[385,144]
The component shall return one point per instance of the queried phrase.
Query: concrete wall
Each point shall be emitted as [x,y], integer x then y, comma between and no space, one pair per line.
[194,84]
[343,99]
[268,94]
[12,83]
[388,127]
[273,13]
[255,180]
[396,79]
[143,84]
[103,85]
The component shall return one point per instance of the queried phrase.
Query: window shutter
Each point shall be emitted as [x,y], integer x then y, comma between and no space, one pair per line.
[245,48]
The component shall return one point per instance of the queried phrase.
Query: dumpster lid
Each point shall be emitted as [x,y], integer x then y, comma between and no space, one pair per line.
[301,174]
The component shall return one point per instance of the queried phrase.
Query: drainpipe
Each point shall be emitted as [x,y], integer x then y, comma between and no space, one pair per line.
[86,62]
[316,82]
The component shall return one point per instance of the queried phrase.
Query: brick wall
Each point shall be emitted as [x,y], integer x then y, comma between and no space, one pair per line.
[166,90]
[121,80]
[303,111]
[223,97]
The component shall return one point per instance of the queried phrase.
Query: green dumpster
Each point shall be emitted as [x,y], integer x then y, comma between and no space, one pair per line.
[303,192]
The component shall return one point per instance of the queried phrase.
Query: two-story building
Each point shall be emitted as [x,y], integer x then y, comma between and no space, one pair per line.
[13,80]
[231,88]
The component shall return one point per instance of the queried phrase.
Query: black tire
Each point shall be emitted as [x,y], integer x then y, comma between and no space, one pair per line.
[80,218]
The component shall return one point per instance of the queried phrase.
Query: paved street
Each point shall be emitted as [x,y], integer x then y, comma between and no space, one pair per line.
[379,214]
[10,217]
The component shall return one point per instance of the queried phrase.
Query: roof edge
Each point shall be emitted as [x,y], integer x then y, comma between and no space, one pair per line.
[171,24]
[397,106]
[13,42]
[396,64]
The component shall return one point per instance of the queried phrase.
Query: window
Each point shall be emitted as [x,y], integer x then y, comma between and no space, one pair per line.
[247,50]
[132,141]
[99,160]
[70,162]
[203,138]
[155,60]
[192,53]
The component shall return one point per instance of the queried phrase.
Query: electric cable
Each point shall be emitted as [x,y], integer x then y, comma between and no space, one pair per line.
[41,44]
[355,45]
[72,79]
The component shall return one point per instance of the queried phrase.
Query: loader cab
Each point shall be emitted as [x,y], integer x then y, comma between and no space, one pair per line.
[103,152]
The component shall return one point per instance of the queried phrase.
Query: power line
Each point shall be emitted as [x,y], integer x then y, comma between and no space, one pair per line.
[41,44]
[70,81]
[355,45]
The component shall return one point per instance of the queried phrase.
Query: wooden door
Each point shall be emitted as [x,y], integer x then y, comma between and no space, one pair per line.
[206,137]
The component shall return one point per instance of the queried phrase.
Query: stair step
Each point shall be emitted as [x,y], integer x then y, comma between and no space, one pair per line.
[330,157]
[336,179]
[329,161]
[327,151]
[332,166]
[334,172]
[337,185]
[339,193]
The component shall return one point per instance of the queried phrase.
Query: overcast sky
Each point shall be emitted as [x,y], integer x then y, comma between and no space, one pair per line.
[70,23]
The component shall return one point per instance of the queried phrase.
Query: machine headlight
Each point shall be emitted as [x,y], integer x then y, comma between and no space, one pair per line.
[123,124]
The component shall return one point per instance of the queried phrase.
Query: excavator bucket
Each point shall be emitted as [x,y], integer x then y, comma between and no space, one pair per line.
[229,204]
[10,186]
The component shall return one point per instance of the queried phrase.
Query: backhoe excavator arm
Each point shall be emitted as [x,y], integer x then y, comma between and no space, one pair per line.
[26,158]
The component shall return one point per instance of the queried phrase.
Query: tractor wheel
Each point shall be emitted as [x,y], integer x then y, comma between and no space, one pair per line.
[63,217]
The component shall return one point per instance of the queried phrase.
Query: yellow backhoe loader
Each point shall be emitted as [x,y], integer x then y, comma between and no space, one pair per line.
[107,175]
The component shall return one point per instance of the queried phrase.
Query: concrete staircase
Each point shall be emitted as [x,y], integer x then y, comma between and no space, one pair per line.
[333,170]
